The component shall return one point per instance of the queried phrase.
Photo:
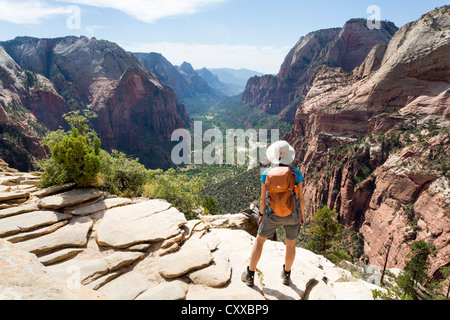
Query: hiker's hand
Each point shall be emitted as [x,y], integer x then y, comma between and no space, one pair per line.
[260,220]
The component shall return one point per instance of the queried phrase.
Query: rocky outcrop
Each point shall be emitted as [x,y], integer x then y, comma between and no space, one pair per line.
[101,76]
[373,142]
[91,245]
[346,48]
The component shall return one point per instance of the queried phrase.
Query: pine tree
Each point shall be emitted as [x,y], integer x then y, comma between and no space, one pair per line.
[324,231]
[415,271]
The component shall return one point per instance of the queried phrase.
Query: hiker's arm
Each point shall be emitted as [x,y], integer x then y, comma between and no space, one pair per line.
[262,202]
[301,200]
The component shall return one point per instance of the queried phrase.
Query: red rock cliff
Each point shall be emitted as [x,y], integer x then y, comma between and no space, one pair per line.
[374,144]
[345,47]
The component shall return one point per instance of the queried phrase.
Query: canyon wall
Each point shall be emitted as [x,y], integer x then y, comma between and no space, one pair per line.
[345,47]
[137,113]
[373,142]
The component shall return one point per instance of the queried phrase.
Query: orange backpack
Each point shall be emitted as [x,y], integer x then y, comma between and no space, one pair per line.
[280,184]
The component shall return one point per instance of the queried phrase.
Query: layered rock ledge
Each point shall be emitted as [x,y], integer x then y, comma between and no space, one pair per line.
[81,243]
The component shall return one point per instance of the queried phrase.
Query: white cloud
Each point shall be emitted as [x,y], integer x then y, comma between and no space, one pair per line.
[150,10]
[29,12]
[263,59]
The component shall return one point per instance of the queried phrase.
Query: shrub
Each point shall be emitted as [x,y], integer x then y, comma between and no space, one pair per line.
[122,175]
[182,192]
[210,205]
[75,155]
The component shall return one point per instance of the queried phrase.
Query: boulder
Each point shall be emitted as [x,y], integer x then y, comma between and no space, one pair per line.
[187,259]
[217,274]
[321,291]
[355,290]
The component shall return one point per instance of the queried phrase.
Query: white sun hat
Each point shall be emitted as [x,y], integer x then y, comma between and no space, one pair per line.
[281,152]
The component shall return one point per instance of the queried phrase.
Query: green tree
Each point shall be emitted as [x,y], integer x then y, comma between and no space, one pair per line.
[210,205]
[324,232]
[445,271]
[75,155]
[416,267]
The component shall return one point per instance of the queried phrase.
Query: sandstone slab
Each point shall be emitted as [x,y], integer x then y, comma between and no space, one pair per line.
[6,196]
[75,234]
[28,221]
[88,269]
[187,259]
[355,290]
[59,255]
[148,221]
[175,290]
[321,292]
[79,271]
[54,189]
[22,277]
[23,236]
[17,210]
[125,287]
[69,198]
[101,205]
[11,180]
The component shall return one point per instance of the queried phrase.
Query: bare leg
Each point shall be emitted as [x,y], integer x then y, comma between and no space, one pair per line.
[290,255]
[256,252]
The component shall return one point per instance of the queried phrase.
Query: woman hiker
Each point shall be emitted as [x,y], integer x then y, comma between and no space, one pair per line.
[281,205]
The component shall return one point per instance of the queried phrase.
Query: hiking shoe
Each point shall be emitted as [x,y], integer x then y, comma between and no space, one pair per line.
[248,277]
[286,276]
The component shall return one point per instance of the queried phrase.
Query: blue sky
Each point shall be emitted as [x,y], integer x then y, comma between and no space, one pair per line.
[253,34]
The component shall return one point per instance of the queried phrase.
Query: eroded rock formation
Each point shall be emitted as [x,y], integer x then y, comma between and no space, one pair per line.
[374,143]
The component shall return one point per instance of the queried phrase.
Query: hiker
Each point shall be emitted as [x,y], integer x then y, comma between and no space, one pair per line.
[281,205]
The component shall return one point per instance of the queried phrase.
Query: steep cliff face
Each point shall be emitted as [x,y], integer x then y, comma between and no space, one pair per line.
[345,47]
[135,109]
[375,143]
[29,104]
[188,85]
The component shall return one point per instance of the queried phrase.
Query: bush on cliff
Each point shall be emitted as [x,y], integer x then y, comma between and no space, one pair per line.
[121,175]
[182,192]
[75,154]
